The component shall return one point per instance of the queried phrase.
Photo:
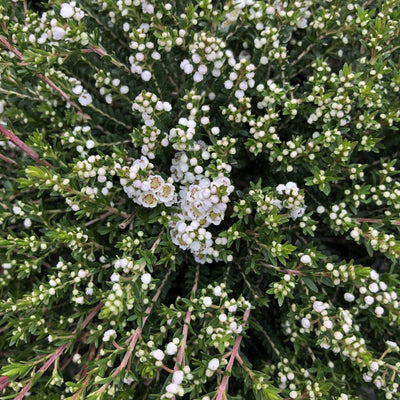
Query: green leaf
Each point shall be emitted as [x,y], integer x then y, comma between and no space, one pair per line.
[310,283]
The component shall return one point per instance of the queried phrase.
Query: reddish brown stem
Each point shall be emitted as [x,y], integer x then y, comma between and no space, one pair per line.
[7,159]
[376,221]
[234,353]
[10,47]
[134,338]
[21,145]
[101,53]
[58,352]
[63,95]
[4,382]
[181,352]
[180,359]
[90,316]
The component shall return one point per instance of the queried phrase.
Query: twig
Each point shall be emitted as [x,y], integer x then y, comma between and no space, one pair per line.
[4,382]
[180,359]
[375,221]
[58,352]
[181,352]
[84,116]
[7,160]
[228,370]
[127,221]
[101,53]
[255,295]
[22,146]
[131,341]
[103,216]
[14,50]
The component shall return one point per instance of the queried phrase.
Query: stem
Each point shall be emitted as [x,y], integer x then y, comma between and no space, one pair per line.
[134,338]
[7,160]
[101,53]
[84,116]
[375,221]
[181,352]
[54,357]
[14,50]
[103,216]
[235,352]
[4,382]
[22,146]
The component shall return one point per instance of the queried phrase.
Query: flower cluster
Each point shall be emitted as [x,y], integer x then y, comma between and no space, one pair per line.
[201,204]
[145,188]
[291,198]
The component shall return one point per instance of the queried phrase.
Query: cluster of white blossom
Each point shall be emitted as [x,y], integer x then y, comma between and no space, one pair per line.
[206,55]
[149,105]
[185,169]
[145,188]
[292,199]
[201,204]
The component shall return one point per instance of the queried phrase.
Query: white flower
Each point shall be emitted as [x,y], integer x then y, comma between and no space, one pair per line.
[90,144]
[222,317]
[108,334]
[281,188]
[374,366]
[349,297]
[290,186]
[213,364]
[232,308]
[171,349]
[146,278]
[297,213]
[207,301]
[146,75]
[85,99]
[77,89]
[114,277]
[373,287]
[306,259]
[367,378]
[328,324]
[319,306]
[392,346]
[217,291]
[158,354]
[82,273]
[379,311]
[302,23]
[374,275]
[66,10]
[178,377]
[124,89]
[369,300]
[172,388]
[305,322]
[58,32]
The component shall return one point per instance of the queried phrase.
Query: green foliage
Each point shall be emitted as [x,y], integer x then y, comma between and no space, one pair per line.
[199,200]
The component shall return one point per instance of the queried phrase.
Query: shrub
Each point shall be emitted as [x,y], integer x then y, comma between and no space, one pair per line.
[199,199]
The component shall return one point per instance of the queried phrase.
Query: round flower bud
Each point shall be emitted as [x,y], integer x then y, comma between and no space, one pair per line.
[171,349]
[158,354]
[146,278]
[213,364]
[305,323]
[66,10]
